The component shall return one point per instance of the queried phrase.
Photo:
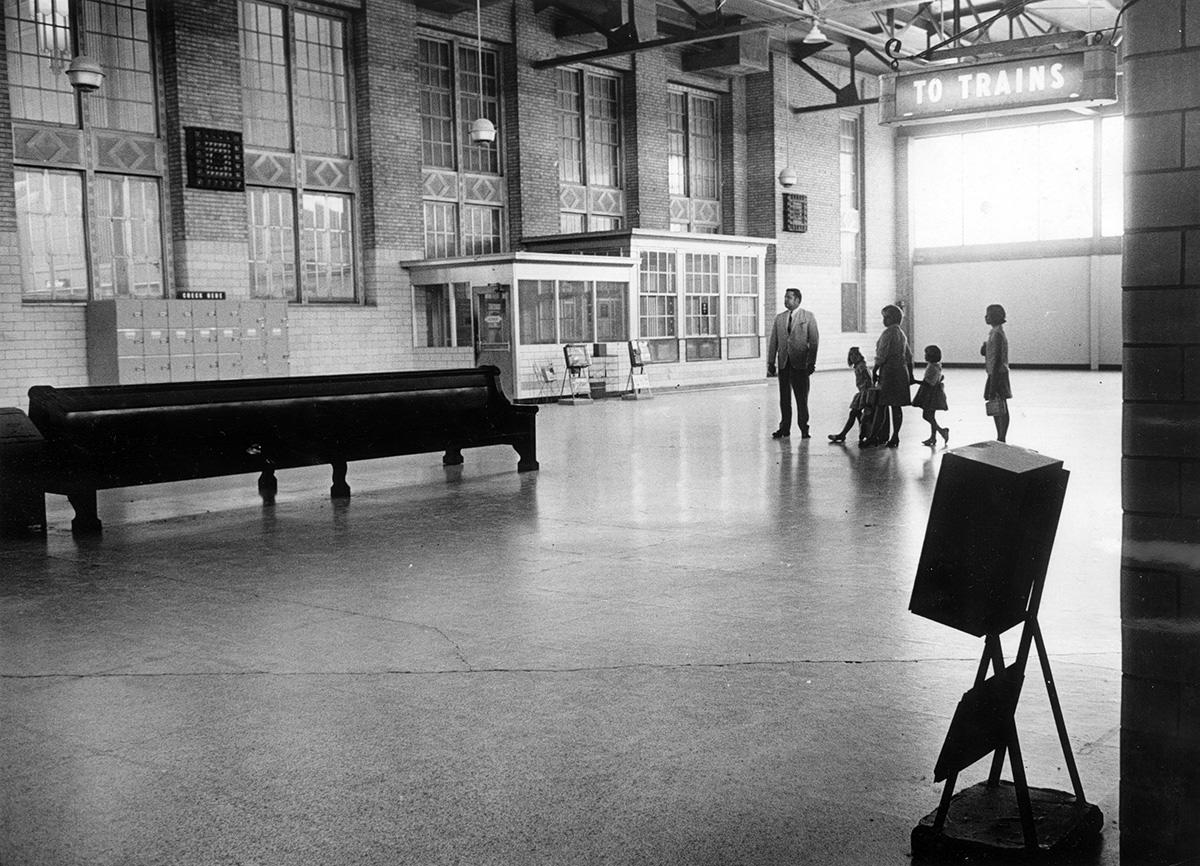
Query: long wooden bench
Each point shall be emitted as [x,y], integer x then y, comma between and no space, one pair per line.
[124,435]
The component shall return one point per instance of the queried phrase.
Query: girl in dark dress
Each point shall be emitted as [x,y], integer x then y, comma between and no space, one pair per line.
[931,395]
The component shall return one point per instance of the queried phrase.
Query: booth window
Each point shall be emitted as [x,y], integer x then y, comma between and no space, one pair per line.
[431,316]
[702,299]
[591,196]
[463,193]
[850,172]
[536,298]
[442,315]
[574,312]
[118,252]
[612,323]
[586,311]
[295,88]
[657,305]
[743,301]
[693,162]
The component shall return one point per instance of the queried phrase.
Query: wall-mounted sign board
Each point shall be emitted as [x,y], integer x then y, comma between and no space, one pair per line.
[1075,79]
[214,159]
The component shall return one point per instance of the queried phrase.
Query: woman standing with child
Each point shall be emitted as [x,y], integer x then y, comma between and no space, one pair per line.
[997,391]
[893,369]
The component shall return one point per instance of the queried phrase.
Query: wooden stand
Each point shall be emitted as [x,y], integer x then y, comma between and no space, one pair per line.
[576,385]
[638,385]
[983,568]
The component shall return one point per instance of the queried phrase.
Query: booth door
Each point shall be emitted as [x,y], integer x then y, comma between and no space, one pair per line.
[492,314]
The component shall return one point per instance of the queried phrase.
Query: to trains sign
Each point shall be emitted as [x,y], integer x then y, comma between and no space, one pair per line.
[1034,83]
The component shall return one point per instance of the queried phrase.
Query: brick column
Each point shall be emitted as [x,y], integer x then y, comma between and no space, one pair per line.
[531,129]
[388,143]
[203,87]
[1160,577]
[649,200]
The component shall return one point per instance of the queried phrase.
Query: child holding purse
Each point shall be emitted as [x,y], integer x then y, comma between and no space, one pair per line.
[931,395]
[862,382]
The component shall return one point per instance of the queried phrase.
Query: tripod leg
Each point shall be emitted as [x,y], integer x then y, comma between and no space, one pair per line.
[993,649]
[939,820]
[1056,708]
[1024,806]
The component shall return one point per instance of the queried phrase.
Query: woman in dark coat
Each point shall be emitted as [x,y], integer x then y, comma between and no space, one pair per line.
[997,390]
[893,368]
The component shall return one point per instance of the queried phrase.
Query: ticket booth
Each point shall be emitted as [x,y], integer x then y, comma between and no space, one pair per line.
[517,310]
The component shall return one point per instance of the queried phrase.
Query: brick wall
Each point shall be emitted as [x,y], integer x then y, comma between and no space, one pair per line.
[202,87]
[646,136]
[1160,582]
[533,138]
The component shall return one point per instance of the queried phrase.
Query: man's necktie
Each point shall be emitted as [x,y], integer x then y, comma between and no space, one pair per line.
[790,322]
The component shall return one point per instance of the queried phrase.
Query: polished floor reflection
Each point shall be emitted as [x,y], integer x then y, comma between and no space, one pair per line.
[680,642]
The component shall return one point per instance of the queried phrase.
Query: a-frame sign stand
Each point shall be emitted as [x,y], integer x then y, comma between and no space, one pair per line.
[983,568]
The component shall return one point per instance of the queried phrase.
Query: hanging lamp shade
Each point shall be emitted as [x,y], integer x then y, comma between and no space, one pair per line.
[482,130]
[85,74]
[787,176]
[815,35]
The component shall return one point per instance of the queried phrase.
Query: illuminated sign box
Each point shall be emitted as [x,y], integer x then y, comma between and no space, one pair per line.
[1036,83]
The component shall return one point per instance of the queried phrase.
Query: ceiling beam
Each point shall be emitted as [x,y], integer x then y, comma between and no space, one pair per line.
[650,44]
[834,26]
[1010,46]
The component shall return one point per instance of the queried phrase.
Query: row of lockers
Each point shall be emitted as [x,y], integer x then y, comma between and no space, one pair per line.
[132,341]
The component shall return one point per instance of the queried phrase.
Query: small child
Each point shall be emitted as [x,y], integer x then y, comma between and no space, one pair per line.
[862,381]
[931,395]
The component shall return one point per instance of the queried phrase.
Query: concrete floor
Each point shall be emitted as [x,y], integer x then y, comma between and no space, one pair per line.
[680,642]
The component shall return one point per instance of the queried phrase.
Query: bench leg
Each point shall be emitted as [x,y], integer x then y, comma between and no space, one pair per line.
[340,489]
[527,453]
[453,457]
[268,486]
[86,520]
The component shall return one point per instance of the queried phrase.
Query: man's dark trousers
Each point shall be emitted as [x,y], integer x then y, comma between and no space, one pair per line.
[793,379]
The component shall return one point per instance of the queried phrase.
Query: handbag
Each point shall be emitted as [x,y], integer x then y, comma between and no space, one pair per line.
[871,396]
[996,406]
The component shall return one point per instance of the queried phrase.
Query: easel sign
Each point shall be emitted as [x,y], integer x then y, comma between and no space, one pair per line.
[639,351]
[576,385]
[576,357]
[638,386]
[991,529]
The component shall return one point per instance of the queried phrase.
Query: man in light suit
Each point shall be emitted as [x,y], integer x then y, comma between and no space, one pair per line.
[792,352]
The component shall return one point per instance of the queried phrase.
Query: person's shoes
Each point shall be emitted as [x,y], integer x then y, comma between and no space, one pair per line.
[779,434]
[804,433]
[946,435]
[894,442]
[837,437]
[932,440]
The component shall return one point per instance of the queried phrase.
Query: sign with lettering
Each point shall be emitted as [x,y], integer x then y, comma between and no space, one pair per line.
[795,212]
[1026,84]
[194,295]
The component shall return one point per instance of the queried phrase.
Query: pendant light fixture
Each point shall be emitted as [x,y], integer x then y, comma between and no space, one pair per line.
[483,131]
[815,36]
[787,174]
[84,73]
